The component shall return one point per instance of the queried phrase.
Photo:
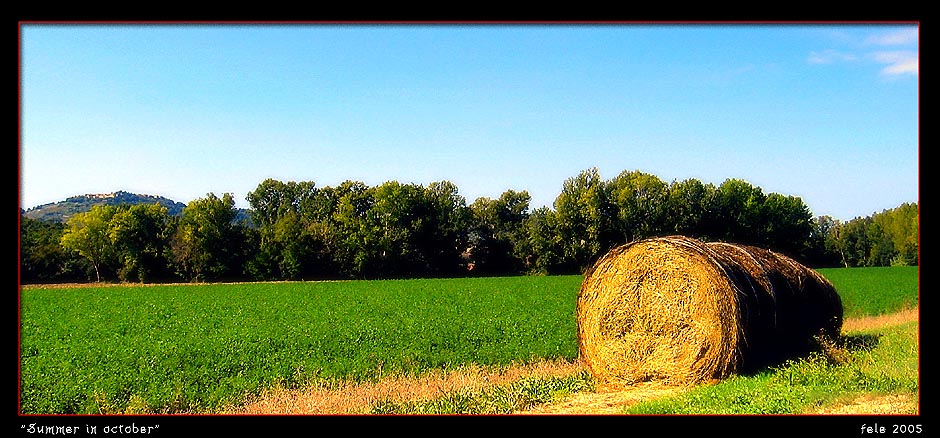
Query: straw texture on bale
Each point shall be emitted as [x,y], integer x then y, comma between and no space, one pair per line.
[679,310]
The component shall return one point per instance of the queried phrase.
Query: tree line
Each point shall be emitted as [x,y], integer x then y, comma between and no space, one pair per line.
[397,230]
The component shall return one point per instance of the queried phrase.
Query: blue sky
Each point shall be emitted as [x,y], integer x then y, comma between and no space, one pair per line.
[826,112]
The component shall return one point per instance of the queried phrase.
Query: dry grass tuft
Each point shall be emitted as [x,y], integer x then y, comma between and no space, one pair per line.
[357,398]
[677,310]
[879,321]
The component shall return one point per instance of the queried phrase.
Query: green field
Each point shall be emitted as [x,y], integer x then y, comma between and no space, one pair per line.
[875,291]
[199,348]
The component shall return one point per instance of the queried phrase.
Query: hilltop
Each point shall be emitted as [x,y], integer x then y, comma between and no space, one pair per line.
[62,210]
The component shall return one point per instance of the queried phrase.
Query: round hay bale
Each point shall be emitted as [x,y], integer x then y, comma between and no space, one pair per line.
[683,311]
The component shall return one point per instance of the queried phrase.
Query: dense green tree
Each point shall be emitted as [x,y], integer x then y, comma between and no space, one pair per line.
[411,230]
[323,229]
[785,225]
[88,235]
[585,219]
[299,247]
[273,199]
[42,257]
[901,226]
[640,202]
[485,254]
[909,244]
[542,249]
[286,248]
[881,251]
[497,235]
[446,233]
[397,219]
[851,241]
[207,245]
[687,203]
[735,213]
[352,242]
[823,251]
[887,238]
[140,235]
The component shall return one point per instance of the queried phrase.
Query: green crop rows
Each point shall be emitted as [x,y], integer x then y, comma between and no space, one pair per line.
[875,291]
[196,348]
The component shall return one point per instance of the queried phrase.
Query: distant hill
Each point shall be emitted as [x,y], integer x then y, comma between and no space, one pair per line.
[61,211]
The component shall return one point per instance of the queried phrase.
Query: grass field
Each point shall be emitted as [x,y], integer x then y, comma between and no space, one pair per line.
[196,348]
[201,348]
[875,291]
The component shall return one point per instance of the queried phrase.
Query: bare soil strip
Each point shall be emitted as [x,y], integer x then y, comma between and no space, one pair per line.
[892,404]
[356,399]
[605,401]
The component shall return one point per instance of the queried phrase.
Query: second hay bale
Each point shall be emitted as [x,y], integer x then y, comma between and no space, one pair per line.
[683,311]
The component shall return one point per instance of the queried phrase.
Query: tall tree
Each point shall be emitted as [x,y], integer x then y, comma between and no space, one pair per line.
[736,212]
[273,199]
[286,249]
[353,243]
[541,248]
[901,226]
[446,234]
[852,242]
[786,226]
[294,248]
[140,234]
[396,221]
[584,218]
[42,257]
[205,245]
[687,207]
[882,239]
[824,252]
[498,233]
[87,234]
[881,251]
[639,200]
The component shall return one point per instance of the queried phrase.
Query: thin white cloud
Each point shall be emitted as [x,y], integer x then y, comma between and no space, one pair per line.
[900,37]
[898,62]
[830,56]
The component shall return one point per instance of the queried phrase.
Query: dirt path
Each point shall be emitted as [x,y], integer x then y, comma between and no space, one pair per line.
[605,400]
[898,404]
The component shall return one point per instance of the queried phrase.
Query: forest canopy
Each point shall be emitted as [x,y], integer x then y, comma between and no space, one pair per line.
[296,230]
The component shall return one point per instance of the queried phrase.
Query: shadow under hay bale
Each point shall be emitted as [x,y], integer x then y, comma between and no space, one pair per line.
[679,310]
